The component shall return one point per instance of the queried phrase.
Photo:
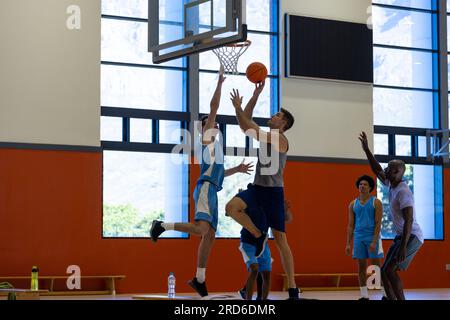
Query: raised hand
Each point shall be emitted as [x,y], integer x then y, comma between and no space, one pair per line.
[245,167]
[259,87]
[236,99]
[364,143]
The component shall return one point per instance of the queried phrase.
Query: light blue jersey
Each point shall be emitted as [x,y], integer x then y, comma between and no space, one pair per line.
[212,168]
[364,231]
[364,218]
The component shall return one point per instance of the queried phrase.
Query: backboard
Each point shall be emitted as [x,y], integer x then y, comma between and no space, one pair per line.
[177,28]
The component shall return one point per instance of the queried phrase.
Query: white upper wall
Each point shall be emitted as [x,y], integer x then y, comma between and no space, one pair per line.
[50,75]
[329,115]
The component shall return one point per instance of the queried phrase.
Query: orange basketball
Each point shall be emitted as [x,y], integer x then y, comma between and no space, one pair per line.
[256,72]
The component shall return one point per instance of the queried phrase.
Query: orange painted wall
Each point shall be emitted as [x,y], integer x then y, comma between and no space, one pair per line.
[50,216]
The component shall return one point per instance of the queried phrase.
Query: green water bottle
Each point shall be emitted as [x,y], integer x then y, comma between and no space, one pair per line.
[34,278]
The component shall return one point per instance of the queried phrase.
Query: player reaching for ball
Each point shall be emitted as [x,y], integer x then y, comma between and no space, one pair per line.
[267,190]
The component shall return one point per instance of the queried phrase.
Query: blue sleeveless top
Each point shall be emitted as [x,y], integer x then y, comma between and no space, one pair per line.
[212,165]
[364,218]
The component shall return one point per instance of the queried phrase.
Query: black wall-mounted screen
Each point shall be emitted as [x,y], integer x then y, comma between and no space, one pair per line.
[328,49]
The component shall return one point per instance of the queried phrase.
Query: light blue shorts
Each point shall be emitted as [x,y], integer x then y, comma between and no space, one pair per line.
[206,203]
[361,249]
[248,253]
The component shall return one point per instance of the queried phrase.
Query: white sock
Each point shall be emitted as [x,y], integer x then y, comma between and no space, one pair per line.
[201,274]
[383,291]
[364,292]
[168,226]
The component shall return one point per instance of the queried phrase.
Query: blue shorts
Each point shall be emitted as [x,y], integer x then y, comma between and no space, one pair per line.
[206,203]
[269,200]
[361,249]
[248,253]
[412,248]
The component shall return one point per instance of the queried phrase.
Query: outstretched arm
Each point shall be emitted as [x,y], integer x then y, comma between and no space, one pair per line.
[248,111]
[251,129]
[374,164]
[242,168]
[214,105]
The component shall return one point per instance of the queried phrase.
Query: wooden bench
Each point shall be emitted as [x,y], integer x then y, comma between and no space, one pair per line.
[48,282]
[335,277]
[23,294]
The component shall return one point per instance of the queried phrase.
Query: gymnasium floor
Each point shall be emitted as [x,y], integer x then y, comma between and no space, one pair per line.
[414,294]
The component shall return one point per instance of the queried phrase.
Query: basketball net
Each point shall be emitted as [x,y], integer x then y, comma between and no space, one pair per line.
[229,55]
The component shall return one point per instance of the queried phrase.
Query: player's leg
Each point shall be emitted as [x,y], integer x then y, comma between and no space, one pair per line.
[265,267]
[235,209]
[207,214]
[392,269]
[265,277]
[252,275]
[388,265]
[259,286]
[287,261]
[391,272]
[362,277]
[248,254]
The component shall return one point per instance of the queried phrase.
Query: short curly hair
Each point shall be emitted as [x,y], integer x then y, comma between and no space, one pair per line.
[369,180]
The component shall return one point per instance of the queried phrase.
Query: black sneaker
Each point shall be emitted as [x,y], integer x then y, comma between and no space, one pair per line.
[200,288]
[363,299]
[261,244]
[156,230]
[243,294]
[293,294]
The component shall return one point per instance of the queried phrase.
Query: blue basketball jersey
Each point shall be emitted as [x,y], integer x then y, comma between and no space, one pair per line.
[364,218]
[212,168]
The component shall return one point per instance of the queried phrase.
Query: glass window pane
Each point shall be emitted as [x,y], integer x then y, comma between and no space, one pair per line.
[127,41]
[235,137]
[403,108]
[422,146]
[128,87]
[141,130]
[208,83]
[381,144]
[259,51]
[111,129]
[227,228]
[132,197]
[402,145]
[403,68]
[258,15]
[402,28]
[127,8]
[420,4]
[169,132]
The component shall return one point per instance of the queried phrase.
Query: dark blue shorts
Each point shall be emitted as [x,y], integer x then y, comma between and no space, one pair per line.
[412,248]
[269,201]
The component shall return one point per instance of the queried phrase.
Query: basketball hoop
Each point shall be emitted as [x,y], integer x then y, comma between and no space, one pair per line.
[229,55]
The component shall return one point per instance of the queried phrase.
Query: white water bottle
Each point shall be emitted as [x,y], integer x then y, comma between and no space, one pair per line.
[171,284]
